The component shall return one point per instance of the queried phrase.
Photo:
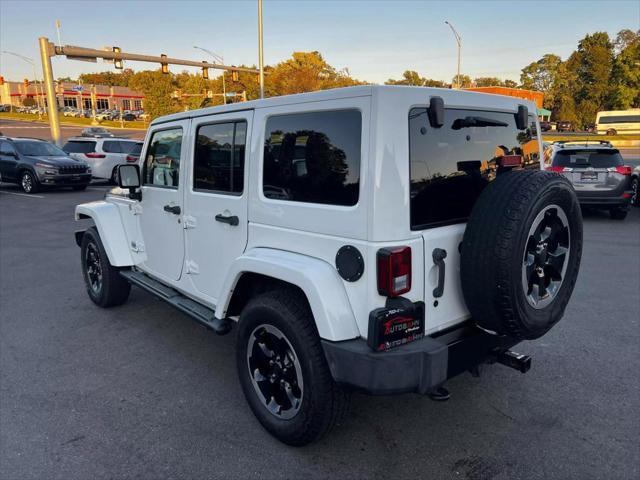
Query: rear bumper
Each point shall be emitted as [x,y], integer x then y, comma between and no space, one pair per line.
[612,199]
[419,367]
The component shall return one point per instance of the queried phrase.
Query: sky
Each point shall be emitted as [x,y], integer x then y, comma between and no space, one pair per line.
[374,39]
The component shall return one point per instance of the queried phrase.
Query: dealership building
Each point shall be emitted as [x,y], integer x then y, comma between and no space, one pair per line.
[71,94]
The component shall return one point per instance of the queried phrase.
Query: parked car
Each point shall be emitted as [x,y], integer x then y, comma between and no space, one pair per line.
[104,154]
[128,117]
[5,108]
[565,126]
[590,128]
[545,126]
[614,122]
[596,170]
[35,164]
[96,132]
[349,236]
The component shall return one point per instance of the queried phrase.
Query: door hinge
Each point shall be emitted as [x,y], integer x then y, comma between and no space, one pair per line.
[192,267]
[189,222]
[136,209]
[137,246]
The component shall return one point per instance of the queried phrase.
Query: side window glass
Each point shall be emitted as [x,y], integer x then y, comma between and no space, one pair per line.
[162,161]
[218,163]
[313,157]
[111,147]
[6,148]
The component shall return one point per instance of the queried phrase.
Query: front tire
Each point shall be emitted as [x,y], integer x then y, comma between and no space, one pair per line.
[105,286]
[282,369]
[28,182]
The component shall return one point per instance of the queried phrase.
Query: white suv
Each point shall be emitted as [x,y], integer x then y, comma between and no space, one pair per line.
[104,154]
[382,239]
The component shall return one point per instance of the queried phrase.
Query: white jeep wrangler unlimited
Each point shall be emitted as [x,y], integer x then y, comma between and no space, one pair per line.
[382,239]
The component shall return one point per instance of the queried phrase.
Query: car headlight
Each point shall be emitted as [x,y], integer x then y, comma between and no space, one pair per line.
[46,168]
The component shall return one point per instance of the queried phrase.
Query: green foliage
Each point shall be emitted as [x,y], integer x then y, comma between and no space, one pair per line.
[28,102]
[624,91]
[411,77]
[158,89]
[540,76]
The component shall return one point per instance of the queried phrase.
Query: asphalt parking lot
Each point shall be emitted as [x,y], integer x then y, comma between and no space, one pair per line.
[140,391]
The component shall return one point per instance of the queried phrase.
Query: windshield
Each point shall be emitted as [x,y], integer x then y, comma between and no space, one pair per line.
[451,165]
[39,149]
[588,158]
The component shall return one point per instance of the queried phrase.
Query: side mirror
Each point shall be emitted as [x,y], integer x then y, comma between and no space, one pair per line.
[436,112]
[129,177]
[522,117]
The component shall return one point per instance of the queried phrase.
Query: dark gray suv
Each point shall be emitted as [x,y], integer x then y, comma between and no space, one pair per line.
[34,163]
[596,170]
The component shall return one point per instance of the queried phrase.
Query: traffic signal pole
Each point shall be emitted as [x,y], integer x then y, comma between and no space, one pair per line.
[48,50]
[52,104]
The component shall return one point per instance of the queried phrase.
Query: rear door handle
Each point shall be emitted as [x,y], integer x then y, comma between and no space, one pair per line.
[439,255]
[231,219]
[175,209]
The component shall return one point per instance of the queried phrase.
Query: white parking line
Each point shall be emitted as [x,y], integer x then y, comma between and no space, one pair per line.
[28,195]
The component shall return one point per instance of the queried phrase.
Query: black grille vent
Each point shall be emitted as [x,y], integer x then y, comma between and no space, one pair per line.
[72,169]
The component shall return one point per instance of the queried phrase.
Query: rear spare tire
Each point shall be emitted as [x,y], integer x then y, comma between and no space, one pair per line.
[521,253]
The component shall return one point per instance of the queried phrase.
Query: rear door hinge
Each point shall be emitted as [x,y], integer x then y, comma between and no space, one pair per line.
[192,267]
[189,222]
[137,246]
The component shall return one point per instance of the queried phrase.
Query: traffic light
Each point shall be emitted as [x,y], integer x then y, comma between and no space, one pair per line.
[26,83]
[164,66]
[1,80]
[205,73]
[234,75]
[117,62]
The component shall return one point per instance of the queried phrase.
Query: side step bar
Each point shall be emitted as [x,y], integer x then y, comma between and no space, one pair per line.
[198,312]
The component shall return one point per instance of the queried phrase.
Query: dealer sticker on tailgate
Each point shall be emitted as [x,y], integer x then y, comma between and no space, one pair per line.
[393,327]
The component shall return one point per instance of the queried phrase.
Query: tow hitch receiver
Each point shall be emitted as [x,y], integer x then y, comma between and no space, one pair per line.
[517,361]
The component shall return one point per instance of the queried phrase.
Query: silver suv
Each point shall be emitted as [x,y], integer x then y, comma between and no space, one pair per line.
[596,170]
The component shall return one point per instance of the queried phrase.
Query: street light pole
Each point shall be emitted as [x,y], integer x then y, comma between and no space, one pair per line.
[260,49]
[35,78]
[52,105]
[459,42]
[217,58]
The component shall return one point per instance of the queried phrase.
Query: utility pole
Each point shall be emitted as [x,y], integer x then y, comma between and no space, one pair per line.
[217,58]
[260,49]
[52,104]
[459,42]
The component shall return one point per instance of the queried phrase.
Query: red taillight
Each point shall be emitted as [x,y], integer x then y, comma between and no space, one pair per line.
[394,271]
[510,160]
[95,155]
[132,159]
[623,169]
[555,169]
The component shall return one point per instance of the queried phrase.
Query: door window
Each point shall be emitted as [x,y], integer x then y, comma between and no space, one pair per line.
[218,163]
[313,157]
[162,161]
[6,149]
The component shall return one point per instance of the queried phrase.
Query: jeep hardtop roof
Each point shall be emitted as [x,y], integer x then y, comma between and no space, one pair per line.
[452,98]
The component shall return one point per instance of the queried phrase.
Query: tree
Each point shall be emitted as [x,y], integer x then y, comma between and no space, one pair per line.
[157,89]
[28,102]
[510,83]
[624,90]
[411,77]
[541,75]
[488,82]
[465,81]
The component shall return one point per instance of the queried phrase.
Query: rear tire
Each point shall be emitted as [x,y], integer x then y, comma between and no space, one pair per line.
[279,356]
[105,286]
[618,213]
[521,253]
[612,131]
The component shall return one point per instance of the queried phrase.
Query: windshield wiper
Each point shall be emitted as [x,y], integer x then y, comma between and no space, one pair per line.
[477,122]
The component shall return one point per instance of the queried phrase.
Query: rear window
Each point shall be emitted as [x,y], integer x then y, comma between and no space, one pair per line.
[451,165]
[113,146]
[587,158]
[136,149]
[74,146]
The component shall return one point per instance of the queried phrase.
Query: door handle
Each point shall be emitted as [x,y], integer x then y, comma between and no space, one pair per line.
[439,255]
[231,219]
[175,209]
